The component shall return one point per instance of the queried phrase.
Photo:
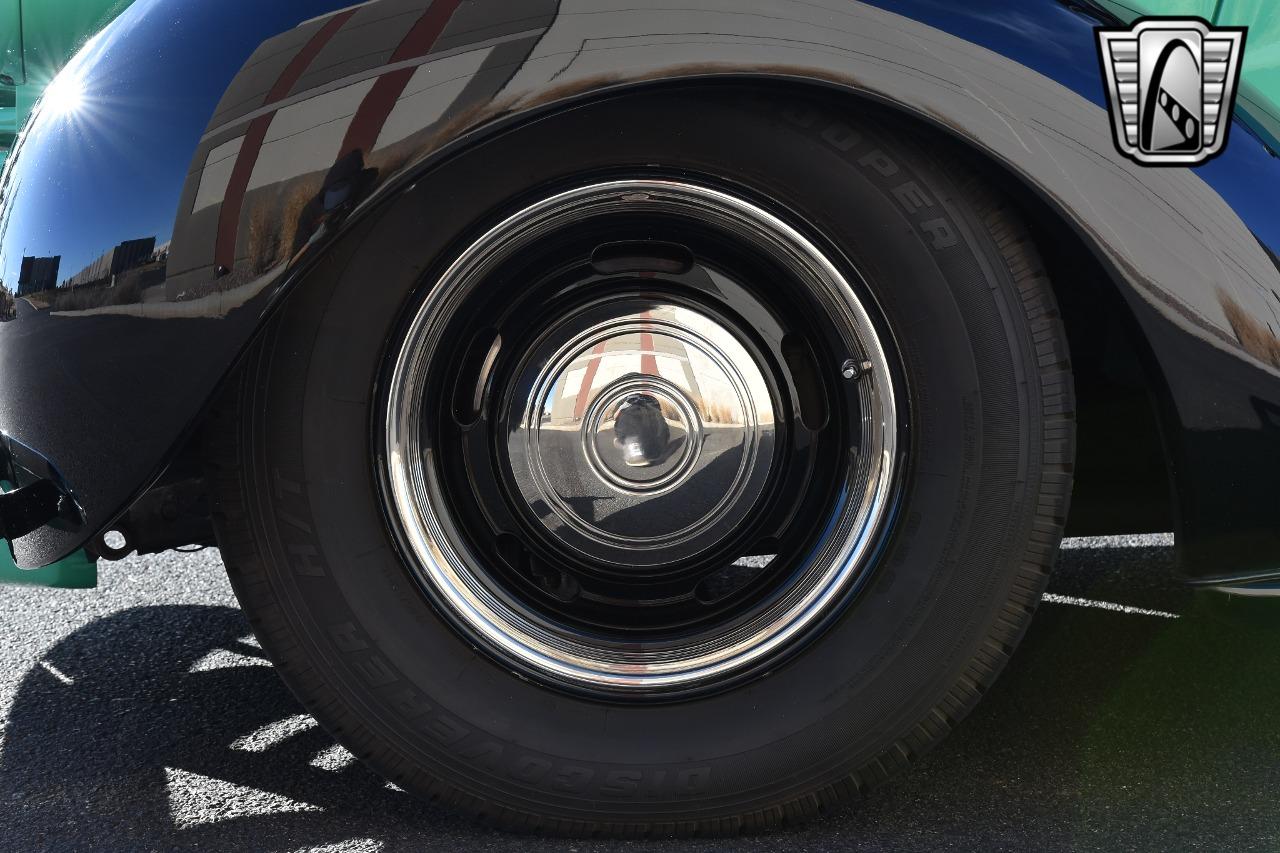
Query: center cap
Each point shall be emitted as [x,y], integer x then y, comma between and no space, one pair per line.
[639,432]
[642,435]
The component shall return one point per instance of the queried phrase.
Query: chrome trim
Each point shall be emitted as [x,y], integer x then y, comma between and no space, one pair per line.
[1250,591]
[568,462]
[444,561]
[1242,579]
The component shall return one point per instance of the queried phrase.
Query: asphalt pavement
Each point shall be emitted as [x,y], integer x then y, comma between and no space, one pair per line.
[1135,716]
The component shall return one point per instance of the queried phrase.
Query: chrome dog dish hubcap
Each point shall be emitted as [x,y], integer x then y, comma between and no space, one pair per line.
[645,431]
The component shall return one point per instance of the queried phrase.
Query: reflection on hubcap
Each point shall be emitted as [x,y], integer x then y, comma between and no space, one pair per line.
[643,432]
[646,425]
[640,436]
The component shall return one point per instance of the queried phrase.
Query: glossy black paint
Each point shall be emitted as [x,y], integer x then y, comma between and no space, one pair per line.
[246,137]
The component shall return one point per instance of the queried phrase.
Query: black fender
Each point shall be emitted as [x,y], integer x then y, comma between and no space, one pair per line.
[245,138]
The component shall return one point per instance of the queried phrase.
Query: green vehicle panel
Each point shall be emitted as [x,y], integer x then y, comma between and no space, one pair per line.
[37,38]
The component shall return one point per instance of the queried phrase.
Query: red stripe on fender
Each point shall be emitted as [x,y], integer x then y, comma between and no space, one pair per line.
[224,252]
[299,64]
[423,36]
[374,110]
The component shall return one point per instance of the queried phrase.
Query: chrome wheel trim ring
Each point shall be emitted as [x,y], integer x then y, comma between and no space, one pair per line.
[438,551]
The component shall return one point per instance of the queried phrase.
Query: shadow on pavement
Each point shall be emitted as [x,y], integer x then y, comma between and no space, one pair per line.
[93,764]
[1107,731]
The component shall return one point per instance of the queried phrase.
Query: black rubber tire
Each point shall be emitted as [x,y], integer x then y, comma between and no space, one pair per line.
[985,494]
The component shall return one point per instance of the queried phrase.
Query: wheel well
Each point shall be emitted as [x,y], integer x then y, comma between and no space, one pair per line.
[1122,478]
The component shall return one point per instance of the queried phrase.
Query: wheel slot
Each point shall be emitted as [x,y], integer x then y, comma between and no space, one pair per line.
[557,583]
[642,256]
[810,396]
[473,377]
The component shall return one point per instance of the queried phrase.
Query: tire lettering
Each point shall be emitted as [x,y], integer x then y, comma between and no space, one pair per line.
[694,780]
[294,521]
[622,783]
[880,162]
[911,197]
[940,232]
[446,731]
[495,756]
[571,778]
[841,137]
[284,486]
[346,637]
[376,672]
[487,754]
[305,560]
[654,786]
[530,769]
[412,704]
[806,118]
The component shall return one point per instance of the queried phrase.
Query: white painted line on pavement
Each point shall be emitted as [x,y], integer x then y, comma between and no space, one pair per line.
[225,659]
[1054,598]
[355,845]
[1144,540]
[195,799]
[335,758]
[273,733]
[57,673]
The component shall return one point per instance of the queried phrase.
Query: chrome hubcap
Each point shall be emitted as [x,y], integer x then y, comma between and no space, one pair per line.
[583,435]
[641,436]
[648,426]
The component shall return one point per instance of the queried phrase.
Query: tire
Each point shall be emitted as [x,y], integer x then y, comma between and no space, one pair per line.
[980,490]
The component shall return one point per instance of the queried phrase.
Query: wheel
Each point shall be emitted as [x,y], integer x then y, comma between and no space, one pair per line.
[682,463]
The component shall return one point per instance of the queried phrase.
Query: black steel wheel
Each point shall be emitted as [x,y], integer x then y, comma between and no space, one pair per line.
[655,482]
[592,429]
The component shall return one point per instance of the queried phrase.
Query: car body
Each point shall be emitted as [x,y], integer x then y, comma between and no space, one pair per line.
[220,158]
[1191,253]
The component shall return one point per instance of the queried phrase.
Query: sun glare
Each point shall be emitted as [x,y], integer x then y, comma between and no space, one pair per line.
[65,95]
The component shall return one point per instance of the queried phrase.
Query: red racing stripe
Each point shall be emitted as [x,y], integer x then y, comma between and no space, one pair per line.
[224,252]
[374,110]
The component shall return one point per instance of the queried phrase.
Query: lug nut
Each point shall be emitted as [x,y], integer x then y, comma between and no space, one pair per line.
[853,369]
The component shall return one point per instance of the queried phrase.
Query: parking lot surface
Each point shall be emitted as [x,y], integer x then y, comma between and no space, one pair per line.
[1135,716]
